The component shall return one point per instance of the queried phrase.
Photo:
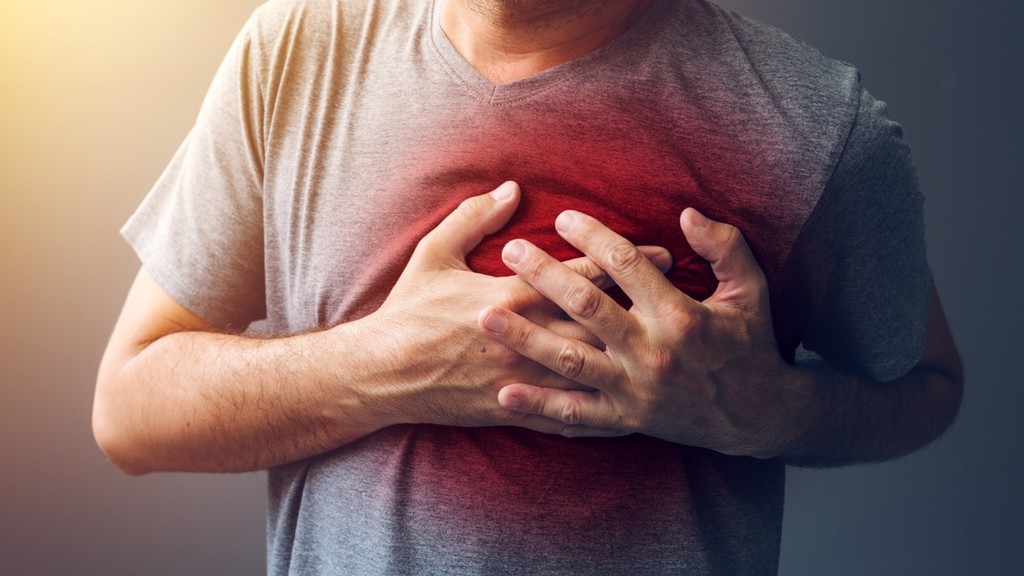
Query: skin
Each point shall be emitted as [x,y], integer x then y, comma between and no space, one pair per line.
[670,367]
[173,393]
[456,348]
[709,373]
[507,40]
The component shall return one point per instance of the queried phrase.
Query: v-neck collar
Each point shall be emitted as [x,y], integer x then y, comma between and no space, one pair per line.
[491,93]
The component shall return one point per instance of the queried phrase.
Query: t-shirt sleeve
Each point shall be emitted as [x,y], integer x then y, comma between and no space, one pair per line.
[199,232]
[865,242]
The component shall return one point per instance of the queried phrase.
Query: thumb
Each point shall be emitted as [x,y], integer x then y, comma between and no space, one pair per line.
[723,246]
[465,227]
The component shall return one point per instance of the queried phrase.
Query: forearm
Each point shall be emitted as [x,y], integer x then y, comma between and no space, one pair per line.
[202,401]
[847,419]
[173,393]
[709,373]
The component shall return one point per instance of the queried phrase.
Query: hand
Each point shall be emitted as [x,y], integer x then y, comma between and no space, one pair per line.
[444,370]
[705,374]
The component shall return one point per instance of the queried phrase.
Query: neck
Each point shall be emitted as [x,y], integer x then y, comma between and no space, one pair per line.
[507,40]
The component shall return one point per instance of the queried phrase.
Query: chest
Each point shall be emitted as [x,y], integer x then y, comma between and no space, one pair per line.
[348,199]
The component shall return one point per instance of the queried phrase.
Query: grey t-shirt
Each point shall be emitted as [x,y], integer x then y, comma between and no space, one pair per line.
[336,133]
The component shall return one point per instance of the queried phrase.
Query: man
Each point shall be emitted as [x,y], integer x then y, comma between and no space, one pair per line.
[423,411]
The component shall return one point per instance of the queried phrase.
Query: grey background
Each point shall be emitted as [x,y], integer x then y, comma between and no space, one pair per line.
[95,97]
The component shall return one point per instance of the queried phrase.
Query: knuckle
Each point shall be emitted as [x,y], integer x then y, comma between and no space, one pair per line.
[582,300]
[700,321]
[518,338]
[469,208]
[571,415]
[589,270]
[662,363]
[532,268]
[732,237]
[687,326]
[623,257]
[466,213]
[570,360]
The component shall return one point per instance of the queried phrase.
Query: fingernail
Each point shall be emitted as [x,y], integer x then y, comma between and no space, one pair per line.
[662,260]
[504,192]
[495,322]
[513,403]
[565,221]
[514,252]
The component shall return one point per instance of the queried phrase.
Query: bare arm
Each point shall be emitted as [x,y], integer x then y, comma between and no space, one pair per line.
[849,419]
[709,373]
[174,394]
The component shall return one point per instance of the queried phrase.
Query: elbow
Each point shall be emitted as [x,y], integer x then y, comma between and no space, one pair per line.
[113,435]
[114,444]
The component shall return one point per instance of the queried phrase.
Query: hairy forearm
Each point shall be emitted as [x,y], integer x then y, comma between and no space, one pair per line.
[175,394]
[202,401]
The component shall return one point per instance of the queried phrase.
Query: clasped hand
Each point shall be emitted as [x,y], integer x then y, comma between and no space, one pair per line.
[705,374]
[438,367]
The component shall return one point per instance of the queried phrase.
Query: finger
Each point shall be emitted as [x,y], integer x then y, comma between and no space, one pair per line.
[660,257]
[572,409]
[644,283]
[546,425]
[576,295]
[552,380]
[567,357]
[475,217]
[572,330]
[724,247]
[584,266]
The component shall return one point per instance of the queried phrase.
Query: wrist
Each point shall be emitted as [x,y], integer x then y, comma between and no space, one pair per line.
[360,376]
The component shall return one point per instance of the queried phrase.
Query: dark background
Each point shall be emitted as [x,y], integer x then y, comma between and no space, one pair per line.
[95,97]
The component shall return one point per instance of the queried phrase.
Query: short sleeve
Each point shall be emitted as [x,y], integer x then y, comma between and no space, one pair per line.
[863,249]
[199,232]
